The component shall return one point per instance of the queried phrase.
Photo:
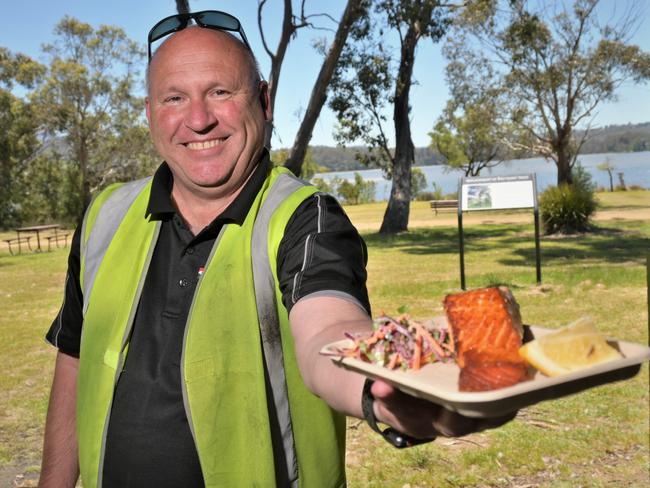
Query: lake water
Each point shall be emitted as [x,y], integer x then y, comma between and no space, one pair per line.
[634,166]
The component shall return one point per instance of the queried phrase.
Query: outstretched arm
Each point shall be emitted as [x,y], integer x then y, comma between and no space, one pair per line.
[60,466]
[318,321]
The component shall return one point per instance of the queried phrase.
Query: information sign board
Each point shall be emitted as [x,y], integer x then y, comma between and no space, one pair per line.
[499,192]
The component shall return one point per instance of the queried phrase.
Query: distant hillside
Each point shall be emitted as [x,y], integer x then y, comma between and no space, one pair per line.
[618,138]
[611,138]
[343,158]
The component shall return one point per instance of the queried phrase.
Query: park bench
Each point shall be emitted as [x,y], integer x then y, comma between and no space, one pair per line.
[56,238]
[437,205]
[18,241]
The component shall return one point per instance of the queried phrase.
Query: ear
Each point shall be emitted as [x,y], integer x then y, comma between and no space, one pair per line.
[265,101]
[147,106]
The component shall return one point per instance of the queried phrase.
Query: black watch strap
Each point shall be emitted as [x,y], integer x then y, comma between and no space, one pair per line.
[391,435]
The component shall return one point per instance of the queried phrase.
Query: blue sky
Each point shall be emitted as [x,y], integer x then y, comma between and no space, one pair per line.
[26,24]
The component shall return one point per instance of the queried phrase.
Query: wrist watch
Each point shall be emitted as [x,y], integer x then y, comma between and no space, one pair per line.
[391,435]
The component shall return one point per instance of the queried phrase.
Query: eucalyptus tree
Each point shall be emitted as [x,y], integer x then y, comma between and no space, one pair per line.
[19,142]
[291,23]
[470,133]
[88,98]
[298,154]
[559,62]
[370,76]
[182,6]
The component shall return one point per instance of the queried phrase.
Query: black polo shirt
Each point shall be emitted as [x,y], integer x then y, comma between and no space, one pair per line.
[148,440]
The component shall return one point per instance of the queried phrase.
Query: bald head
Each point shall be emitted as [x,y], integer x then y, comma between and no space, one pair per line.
[207,112]
[188,40]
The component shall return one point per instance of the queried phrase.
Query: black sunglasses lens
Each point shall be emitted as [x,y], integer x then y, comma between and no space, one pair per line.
[218,19]
[164,27]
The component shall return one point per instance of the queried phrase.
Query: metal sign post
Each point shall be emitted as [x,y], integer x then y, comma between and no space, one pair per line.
[496,193]
[461,242]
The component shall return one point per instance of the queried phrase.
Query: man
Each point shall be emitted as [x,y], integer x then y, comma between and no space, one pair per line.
[180,377]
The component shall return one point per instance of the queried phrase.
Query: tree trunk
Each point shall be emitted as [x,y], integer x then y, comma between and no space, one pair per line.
[611,181]
[182,6]
[318,96]
[288,28]
[83,168]
[396,217]
[564,160]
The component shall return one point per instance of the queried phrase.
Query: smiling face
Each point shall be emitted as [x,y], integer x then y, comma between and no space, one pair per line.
[206,111]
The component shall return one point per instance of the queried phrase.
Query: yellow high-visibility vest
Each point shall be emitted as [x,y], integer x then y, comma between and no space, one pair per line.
[230,337]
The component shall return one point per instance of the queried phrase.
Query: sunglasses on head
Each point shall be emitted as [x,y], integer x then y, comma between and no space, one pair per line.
[210,19]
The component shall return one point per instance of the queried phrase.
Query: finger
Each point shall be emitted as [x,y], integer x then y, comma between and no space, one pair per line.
[452,424]
[382,390]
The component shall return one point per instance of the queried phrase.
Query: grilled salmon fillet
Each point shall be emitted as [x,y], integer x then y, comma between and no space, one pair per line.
[488,332]
[489,370]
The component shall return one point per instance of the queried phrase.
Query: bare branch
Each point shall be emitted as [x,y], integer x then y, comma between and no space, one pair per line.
[260,7]
[383,139]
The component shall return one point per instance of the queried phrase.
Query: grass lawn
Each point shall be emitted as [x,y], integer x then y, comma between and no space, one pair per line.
[596,438]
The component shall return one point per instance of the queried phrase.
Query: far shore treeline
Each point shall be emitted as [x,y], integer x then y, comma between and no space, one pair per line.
[608,139]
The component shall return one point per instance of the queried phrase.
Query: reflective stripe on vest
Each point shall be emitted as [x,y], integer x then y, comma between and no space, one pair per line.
[105,225]
[267,313]
[109,217]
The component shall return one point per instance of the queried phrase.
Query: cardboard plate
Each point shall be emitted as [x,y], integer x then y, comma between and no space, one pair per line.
[438,382]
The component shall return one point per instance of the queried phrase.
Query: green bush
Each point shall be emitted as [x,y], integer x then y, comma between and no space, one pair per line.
[566,209]
[418,183]
[322,185]
[582,178]
[435,194]
[361,191]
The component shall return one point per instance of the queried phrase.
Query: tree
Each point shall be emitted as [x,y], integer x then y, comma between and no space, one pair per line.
[182,6]
[360,191]
[418,182]
[469,134]
[469,140]
[46,186]
[364,79]
[559,64]
[19,142]
[607,166]
[308,168]
[290,25]
[354,10]
[87,98]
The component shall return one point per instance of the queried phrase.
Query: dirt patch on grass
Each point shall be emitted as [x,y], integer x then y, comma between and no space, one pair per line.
[17,476]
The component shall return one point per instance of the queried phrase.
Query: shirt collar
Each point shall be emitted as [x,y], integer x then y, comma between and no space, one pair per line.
[160,205]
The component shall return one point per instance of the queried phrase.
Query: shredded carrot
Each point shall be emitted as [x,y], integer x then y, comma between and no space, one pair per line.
[400,342]
[417,352]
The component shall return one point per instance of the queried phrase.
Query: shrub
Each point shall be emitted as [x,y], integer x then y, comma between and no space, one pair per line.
[566,208]
[361,191]
[425,196]
[435,194]
[322,185]
[582,178]
[418,183]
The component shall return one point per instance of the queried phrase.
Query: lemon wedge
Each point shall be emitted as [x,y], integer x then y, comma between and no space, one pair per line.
[571,348]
